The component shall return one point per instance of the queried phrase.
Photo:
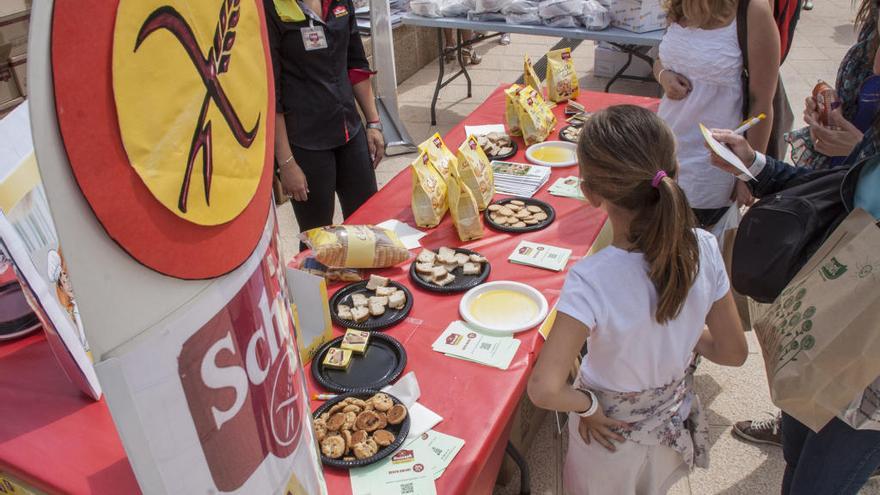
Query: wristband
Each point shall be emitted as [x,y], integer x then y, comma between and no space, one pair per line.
[594,406]
[289,159]
[661,73]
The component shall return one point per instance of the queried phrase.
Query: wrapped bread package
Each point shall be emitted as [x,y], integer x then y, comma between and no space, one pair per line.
[463,208]
[476,171]
[562,79]
[440,156]
[355,246]
[530,77]
[536,120]
[511,112]
[428,192]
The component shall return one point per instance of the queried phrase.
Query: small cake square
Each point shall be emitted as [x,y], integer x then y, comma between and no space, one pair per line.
[355,341]
[336,358]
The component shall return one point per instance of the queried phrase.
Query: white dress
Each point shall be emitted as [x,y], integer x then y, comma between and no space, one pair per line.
[712,61]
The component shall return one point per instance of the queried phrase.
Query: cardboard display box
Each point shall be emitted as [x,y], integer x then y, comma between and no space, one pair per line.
[639,16]
[19,72]
[607,61]
[14,31]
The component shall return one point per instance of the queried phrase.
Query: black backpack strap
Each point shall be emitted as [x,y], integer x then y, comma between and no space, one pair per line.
[742,35]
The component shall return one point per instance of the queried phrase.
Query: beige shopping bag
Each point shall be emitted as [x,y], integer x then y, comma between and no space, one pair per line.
[821,338]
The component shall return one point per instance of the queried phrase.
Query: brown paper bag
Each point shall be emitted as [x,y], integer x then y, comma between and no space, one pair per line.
[820,338]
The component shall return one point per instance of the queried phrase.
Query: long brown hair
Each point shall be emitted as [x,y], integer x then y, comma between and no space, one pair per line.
[706,14]
[620,151]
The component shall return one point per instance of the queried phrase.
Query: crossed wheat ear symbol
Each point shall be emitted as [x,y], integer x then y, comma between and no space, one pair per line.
[209,68]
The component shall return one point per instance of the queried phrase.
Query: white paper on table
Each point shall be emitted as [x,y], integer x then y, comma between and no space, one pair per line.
[482,130]
[421,419]
[724,152]
[408,235]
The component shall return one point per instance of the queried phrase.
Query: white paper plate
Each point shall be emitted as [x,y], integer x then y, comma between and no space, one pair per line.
[506,327]
[559,144]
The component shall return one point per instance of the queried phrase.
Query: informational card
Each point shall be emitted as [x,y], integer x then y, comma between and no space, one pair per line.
[540,255]
[407,234]
[567,187]
[409,471]
[482,130]
[724,152]
[445,448]
[463,342]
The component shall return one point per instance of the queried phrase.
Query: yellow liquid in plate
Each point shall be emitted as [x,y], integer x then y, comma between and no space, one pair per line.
[503,308]
[552,154]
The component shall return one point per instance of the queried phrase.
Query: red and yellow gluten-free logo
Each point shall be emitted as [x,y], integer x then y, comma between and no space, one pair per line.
[190,100]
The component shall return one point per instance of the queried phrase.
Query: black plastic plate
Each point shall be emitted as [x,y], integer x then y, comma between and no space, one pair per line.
[551,215]
[462,282]
[390,318]
[380,365]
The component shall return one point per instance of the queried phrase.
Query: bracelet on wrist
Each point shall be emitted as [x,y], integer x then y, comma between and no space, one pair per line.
[594,403]
[289,159]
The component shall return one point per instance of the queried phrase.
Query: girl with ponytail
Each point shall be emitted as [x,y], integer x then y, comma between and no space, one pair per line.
[642,305]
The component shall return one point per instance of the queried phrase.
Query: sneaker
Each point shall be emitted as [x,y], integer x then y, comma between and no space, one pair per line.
[504,39]
[764,431]
[808,5]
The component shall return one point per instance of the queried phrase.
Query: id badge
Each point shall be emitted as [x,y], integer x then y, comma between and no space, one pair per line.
[314,38]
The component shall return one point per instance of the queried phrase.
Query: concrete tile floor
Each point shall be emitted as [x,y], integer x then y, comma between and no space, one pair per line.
[729,394]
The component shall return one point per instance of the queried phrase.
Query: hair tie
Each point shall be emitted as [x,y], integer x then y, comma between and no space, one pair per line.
[659,176]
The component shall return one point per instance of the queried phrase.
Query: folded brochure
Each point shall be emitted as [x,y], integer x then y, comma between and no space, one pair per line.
[540,255]
[519,179]
[567,187]
[411,470]
[463,342]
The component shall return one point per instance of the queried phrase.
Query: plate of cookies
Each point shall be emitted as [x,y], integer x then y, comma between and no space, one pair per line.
[374,304]
[359,428]
[570,133]
[449,270]
[358,360]
[519,214]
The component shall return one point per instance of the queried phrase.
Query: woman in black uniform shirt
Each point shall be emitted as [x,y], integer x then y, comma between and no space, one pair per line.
[321,146]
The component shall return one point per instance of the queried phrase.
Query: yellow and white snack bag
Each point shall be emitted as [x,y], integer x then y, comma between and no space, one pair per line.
[428,192]
[535,118]
[440,156]
[562,80]
[355,246]
[463,208]
[530,77]
[511,112]
[476,171]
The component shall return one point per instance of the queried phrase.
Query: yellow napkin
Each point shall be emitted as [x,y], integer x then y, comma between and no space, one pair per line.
[289,11]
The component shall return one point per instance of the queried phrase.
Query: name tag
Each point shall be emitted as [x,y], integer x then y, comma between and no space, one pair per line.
[314,38]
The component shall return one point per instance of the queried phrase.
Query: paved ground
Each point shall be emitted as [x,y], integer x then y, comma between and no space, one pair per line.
[730,394]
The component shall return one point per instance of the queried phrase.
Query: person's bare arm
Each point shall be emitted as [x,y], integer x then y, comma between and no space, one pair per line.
[675,85]
[293,180]
[763,71]
[363,93]
[724,342]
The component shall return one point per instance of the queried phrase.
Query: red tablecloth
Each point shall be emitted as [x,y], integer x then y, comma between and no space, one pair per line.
[477,401]
[59,441]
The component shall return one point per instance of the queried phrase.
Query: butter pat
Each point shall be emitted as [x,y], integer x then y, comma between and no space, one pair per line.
[338,359]
[355,341]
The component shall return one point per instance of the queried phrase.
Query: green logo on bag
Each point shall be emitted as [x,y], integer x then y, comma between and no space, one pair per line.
[833,269]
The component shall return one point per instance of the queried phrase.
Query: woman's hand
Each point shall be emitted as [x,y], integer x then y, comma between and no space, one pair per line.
[293,180]
[376,145]
[598,427]
[738,144]
[811,109]
[838,139]
[675,85]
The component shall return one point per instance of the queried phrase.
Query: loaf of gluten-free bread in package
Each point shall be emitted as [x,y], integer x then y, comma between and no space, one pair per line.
[429,202]
[511,109]
[463,208]
[355,246]
[535,118]
[476,171]
[440,156]
[562,79]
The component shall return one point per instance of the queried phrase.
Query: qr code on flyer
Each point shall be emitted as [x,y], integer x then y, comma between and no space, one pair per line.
[407,489]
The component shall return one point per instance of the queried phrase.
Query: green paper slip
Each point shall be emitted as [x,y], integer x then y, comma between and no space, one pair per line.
[409,471]
[540,256]
[569,187]
[463,342]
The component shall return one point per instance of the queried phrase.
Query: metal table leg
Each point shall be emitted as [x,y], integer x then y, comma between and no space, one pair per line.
[631,51]
[458,47]
[441,63]
[525,487]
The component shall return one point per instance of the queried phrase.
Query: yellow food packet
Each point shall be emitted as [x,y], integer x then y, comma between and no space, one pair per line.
[511,112]
[428,192]
[535,119]
[463,208]
[476,171]
[562,79]
[440,156]
[530,77]
[355,246]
